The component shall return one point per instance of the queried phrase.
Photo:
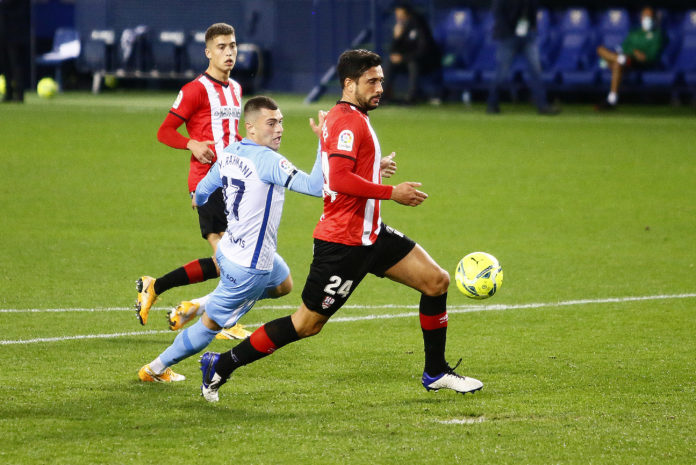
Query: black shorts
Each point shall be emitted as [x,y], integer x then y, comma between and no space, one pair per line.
[211,215]
[337,269]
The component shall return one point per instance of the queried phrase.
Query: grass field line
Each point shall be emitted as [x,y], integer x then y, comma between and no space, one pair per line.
[452,310]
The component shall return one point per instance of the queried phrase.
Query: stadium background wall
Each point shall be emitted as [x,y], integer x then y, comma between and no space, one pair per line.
[300,38]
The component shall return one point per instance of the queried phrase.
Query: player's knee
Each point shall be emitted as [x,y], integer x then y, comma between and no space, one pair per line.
[437,284]
[285,287]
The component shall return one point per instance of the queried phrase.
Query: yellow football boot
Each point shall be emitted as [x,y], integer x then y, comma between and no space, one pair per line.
[146,297]
[168,376]
[182,314]
[235,332]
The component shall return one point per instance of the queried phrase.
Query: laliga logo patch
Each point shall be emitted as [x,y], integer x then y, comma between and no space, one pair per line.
[345,140]
[286,166]
[178,100]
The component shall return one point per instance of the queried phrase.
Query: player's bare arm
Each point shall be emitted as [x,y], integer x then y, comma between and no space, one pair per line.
[407,194]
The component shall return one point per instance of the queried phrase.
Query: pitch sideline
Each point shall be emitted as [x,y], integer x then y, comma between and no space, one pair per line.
[452,310]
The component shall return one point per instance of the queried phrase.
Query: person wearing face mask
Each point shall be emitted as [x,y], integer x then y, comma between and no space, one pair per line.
[640,49]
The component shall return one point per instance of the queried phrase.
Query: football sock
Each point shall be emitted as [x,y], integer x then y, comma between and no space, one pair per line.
[612,98]
[193,272]
[433,320]
[262,342]
[190,341]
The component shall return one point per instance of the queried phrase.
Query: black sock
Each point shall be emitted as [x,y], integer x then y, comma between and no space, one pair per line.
[196,271]
[262,342]
[433,318]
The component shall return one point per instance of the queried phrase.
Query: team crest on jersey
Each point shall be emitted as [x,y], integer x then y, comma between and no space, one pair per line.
[178,100]
[328,301]
[345,140]
[286,166]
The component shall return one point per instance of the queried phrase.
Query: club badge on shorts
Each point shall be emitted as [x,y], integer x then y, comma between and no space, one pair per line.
[328,301]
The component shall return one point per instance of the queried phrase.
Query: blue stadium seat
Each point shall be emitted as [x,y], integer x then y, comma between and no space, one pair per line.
[249,67]
[615,20]
[166,52]
[685,63]
[688,25]
[195,58]
[665,73]
[456,35]
[574,63]
[465,63]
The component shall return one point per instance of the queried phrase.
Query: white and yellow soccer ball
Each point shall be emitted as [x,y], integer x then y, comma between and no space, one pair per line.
[3,85]
[47,87]
[479,275]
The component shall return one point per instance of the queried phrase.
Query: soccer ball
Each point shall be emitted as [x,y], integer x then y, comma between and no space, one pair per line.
[479,275]
[47,87]
[3,85]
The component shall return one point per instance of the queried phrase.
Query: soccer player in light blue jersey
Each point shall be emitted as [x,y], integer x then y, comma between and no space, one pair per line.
[253,176]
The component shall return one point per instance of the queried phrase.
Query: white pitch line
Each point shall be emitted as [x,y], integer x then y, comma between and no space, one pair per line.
[451,309]
[463,421]
[463,308]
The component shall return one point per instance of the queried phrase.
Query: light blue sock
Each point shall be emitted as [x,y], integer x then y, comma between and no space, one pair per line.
[190,341]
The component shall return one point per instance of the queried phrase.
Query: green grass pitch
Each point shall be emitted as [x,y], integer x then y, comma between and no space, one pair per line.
[586,352]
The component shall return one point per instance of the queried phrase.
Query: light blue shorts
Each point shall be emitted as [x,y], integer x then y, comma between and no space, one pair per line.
[239,289]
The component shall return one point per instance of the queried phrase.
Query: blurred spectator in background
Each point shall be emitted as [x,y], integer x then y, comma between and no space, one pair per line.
[413,52]
[515,31]
[15,41]
[640,49]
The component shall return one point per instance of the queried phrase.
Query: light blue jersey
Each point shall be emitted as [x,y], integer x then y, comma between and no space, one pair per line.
[254,178]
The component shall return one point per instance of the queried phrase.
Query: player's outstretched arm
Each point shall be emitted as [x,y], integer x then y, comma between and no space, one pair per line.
[310,184]
[407,194]
[387,165]
[316,128]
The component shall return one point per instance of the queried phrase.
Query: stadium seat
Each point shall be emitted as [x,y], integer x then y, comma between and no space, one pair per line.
[166,52]
[66,47]
[248,69]
[457,38]
[195,59]
[573,65]
[665,74]
[481,68]
[688,26]
[685,63]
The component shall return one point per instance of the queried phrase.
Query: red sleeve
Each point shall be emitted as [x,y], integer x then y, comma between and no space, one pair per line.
[168,134]
[343,180]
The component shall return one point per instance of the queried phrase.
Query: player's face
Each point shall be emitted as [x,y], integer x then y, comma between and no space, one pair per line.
[367,91]
[222,53]
[267,128]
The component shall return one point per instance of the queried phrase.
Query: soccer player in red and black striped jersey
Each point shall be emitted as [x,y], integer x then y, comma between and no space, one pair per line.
[210,106]
[351,241]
